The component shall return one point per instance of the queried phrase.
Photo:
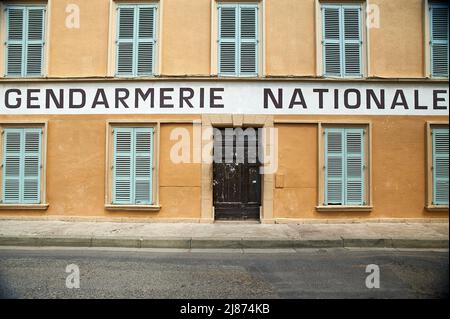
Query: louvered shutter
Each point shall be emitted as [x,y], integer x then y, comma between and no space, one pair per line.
[22,166]
[248,17]
[15,18]
[334,166]
[440,166]
[143,165]
[352,40]
[125,40]
[332,40]
[32,165]
[354,166]
[35,41]
[439,39]
[12,165]
[228,40]
[145,40]
[123,166]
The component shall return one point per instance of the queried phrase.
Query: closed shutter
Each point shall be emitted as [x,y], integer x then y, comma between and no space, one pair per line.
[125,41]
[25,41]
[15,41]
[440,166]
[145,40]
[35,41]
[342,40]
[334,167]
[439,39]
[143,165]
[238,40]
[354,183]
[352,40]
[332,40]
[248,18]
[22,166]
[344,166]
[133,166]
[123,165]
[228,44]
[136,40]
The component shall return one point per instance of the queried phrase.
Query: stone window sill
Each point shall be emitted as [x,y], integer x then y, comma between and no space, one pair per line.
[338,208]
[437,208]
[24,206]
[150,208]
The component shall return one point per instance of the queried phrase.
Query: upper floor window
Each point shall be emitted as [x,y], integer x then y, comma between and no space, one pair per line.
[342,40]
[24,45]
[136,40]
[238,39]
[439,39]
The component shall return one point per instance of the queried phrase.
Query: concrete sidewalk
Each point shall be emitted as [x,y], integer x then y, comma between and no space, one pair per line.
[221,235]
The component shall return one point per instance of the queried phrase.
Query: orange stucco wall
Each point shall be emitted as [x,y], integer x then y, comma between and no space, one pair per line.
[396,49]
[399,169]
[75,169]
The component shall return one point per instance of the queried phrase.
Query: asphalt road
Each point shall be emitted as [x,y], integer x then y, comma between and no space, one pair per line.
[140,273]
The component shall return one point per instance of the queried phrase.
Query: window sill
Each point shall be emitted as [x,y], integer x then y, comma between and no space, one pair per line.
[344,208]
[24,206]
[151,208]
[436,208]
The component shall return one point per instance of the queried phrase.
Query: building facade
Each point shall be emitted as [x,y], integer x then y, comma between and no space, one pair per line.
[118,109]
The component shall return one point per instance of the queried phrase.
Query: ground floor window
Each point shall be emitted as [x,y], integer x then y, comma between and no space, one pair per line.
[439,165]
[132,165]
[345,158]
[22,165]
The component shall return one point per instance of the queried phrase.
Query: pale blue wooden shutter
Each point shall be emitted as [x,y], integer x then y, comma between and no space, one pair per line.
[125,40]
[25,41]
[352,40]
[123,166]
[331,40]
[342,40]
[136,40]
[334,167]
[145,40]
[133,166]
[228,39]
[354,166]
[439,39]
[22,166]
[440,166]
[248,41]
[12,151]
[35,41]
[143,165]
[15,40]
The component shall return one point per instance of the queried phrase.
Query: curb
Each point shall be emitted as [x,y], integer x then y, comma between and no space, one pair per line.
[211,243]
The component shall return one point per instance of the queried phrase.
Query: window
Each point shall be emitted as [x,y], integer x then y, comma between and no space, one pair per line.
[133,166]
[345,174]
[439,39]
[22,164]
[238,40]
[440,166]
[24,46]
[136,40]
[342,40]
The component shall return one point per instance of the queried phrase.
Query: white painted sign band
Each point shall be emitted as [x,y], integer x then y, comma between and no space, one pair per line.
[221,97]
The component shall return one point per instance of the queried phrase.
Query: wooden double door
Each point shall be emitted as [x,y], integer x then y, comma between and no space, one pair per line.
[236,175]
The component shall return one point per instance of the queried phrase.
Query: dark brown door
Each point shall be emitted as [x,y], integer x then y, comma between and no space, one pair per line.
[236,178]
